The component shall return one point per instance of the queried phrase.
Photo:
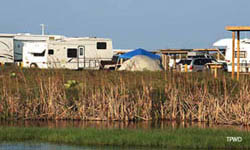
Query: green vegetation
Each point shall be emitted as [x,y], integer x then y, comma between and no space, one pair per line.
[33,94]
[194,138]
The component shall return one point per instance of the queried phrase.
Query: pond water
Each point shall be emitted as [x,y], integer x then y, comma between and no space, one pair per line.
[46,146]
[117,124]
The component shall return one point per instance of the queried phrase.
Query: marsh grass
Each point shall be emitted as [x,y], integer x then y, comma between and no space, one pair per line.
[33,94]
[193,138]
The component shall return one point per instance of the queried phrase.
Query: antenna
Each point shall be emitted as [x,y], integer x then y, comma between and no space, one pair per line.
[43,28]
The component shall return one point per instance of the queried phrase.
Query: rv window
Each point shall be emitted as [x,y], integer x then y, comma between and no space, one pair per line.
[243,54]
[72,53]
[101,45]
[51,52]
[81,51]
[39,54]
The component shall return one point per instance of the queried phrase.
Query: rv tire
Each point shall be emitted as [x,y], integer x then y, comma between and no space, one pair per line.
[33,65]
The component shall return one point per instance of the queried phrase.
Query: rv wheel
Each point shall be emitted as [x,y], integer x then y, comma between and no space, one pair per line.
[101,65]
[33,65]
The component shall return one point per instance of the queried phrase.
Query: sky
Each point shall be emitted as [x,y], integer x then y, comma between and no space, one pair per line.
[131,24]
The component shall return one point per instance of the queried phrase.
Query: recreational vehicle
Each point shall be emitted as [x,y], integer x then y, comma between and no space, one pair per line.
[7,48]
[55,51]
[12,45]
[79,53]
[28,46]
[244,53]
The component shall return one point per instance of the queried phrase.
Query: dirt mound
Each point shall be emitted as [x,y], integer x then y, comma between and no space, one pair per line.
[141,63]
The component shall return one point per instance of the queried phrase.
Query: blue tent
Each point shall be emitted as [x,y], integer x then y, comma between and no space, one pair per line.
[139,52]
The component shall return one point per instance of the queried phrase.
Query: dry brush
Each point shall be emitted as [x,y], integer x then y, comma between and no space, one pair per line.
[123,96]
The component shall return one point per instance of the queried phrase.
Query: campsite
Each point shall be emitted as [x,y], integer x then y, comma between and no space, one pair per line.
[58,78]
[124,75]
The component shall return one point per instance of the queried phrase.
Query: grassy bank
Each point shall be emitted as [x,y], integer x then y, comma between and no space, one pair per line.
[104,95]
[194,138]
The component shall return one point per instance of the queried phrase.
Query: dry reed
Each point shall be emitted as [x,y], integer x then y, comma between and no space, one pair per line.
[104,95]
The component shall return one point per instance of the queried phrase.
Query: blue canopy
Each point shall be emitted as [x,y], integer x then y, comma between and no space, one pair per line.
[139,52]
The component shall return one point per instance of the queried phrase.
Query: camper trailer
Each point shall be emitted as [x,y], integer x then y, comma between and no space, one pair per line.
[7,48]
[12,45]
[244,53]
[27,47]
[79,53]
[55,51]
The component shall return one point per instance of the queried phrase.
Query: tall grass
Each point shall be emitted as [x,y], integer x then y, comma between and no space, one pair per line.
[104,95]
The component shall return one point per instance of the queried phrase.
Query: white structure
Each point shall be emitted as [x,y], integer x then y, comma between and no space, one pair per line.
[79,53]
[11,45]
[244,53]
[7,48]
[54,51]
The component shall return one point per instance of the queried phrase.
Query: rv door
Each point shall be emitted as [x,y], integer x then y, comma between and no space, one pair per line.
[81,57]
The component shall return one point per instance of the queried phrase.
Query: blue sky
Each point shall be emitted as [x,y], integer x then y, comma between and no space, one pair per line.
[130,23]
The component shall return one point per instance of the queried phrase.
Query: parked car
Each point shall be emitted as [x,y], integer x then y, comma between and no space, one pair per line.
[196,64]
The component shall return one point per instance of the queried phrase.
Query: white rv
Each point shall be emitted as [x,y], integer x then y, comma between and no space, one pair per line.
[27,47]
[12,45]
[79,53]
[54,51]
[7,48]
[244,53]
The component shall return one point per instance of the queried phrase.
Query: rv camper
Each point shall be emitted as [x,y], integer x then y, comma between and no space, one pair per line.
[54,51]
[79,53]
[12,45]
[7,48]
[244,53]
[27,47]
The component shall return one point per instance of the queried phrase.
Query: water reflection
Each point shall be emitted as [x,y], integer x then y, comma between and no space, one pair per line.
[46,146]
[116,124]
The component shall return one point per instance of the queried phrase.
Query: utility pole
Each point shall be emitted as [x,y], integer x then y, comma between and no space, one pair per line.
[43,28]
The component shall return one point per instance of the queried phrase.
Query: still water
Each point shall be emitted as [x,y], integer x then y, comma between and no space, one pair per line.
[46,146]
[117,124]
